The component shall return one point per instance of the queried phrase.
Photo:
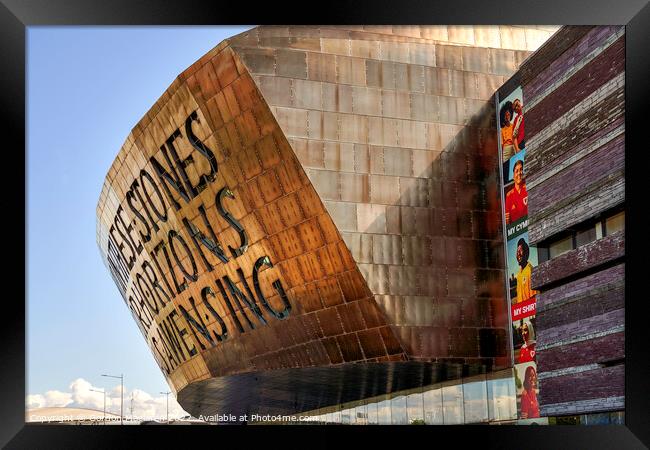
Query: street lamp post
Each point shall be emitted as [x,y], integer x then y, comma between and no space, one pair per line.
[121,377]
[167,396]
[104,392]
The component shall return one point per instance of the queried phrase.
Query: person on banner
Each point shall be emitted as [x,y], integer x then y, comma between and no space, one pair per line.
[517,197]
[527,351]
[518,124]
[529,404]
[509,145]
[524,291]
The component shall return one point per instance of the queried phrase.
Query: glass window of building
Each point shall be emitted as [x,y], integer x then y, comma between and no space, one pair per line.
[475,401]
[414,407]
[599,230]
[398,410]
[452,404]
[346,415]
[384,413]
[615,223]
[561,247]
[542,254]
[617,418]
[361,415]
[372,413]
[432,399]
[596,419]
[502,400]
[589,232]
[586,236]
[336,416]
[353,415]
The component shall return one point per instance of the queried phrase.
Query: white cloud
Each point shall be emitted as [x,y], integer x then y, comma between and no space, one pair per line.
[137,402]
[49,399]
[35,401]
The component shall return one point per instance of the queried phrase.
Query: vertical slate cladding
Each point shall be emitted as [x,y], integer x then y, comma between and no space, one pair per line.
[573,86]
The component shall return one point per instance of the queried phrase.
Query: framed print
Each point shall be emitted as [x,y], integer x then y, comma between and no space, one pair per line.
[405,224]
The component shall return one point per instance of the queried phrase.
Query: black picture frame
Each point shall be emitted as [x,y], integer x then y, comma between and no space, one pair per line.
[16,15]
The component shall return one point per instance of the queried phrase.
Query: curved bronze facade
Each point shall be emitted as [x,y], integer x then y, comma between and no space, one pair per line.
[310,215]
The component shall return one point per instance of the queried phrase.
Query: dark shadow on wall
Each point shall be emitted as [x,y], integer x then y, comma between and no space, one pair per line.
[463,279]
[460,219]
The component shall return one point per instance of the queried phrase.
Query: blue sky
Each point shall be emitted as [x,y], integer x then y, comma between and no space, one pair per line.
[86,88]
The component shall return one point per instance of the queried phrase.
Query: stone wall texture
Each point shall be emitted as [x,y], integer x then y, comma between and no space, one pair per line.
[574,91]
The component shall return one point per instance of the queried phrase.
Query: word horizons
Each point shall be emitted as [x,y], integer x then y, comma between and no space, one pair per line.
[146,289]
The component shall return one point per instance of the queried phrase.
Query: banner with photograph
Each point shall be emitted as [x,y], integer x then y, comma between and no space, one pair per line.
[521,257]
[512,138]
[527,390]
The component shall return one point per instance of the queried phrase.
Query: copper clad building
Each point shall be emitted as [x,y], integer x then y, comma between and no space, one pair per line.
[311,215]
